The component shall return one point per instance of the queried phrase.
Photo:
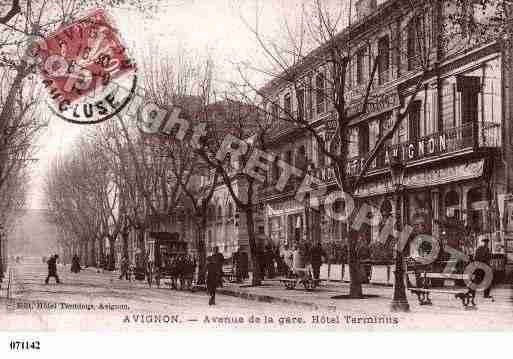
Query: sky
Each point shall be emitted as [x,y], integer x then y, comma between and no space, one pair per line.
[207,26]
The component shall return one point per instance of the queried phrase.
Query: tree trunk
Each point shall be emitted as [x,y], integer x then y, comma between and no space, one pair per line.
[140,239]
[250,226]
[201,228]
[102,253]
[93,252]
[355,287]
[112,254]
[124,236]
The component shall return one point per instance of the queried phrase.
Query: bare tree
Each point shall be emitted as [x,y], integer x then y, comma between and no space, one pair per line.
[319,48]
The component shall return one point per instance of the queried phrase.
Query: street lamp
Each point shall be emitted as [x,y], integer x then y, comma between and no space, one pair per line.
[399,301]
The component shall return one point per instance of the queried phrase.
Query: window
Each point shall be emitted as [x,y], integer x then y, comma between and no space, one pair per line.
[320,155]
[300,103]
[319,93]
[275,111]
[360,67]
[414,120]
[230,209]
[469,87]
[384,59]
[288,157]
[353,143]
[287,104]
[412,43]
[309,99]
[363,139]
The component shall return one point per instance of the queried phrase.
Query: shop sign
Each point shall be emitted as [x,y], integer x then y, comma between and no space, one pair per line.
[377,104]
[426,178]
[432,145]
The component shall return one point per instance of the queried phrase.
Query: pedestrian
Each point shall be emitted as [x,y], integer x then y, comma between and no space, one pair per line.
[269,261]
[483,255]
[297,260]
[244,265]
[52,269]
[213,278]
[288,256]
[75,264]
[124,267]
[343,258]
[364,258]
[236,266]
[317,253]
[219,260]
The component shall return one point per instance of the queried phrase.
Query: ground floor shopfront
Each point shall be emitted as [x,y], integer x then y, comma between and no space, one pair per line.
[459,202]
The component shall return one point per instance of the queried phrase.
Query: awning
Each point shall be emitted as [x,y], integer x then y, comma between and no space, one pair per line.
[426,177]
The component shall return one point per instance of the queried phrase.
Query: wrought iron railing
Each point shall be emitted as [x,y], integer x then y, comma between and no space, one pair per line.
[465,137]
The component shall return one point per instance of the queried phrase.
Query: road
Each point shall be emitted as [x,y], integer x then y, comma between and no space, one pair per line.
[100,301]
[124,304]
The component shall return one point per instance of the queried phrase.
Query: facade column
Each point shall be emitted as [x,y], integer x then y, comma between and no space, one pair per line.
[463,204]
[435,206]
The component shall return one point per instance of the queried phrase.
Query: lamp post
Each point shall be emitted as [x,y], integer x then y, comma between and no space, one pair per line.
[399,301]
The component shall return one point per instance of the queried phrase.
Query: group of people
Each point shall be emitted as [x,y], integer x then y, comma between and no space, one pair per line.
[181,269]
[303,256]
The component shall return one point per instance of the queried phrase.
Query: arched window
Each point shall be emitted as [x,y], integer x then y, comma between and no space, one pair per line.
[477,204]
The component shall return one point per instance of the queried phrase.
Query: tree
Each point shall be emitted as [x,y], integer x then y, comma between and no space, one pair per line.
[318,46]
[231,121]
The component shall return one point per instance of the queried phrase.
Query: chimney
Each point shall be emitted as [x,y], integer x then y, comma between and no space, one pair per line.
[365,8]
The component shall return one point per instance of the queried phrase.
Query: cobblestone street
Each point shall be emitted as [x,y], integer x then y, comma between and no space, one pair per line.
[118,304]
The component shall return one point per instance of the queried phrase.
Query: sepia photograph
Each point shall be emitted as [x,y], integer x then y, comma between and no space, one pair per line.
[255,165]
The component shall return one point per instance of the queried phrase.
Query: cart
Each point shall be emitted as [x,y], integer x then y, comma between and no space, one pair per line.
[164,247]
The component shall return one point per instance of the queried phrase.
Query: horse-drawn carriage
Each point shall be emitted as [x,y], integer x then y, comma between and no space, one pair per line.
[165,251]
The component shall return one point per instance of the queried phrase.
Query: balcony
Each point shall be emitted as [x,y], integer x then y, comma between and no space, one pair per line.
[461,139]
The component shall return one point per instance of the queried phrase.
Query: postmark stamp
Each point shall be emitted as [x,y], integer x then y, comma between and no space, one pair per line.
[86,69]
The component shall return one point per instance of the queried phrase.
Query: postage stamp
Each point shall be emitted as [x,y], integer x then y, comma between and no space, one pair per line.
[83,65]
[348,171]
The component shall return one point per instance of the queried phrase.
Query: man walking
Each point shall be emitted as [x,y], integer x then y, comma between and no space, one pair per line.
[52,269]
[316,255]
[219,262]
[213,279]
[483,255]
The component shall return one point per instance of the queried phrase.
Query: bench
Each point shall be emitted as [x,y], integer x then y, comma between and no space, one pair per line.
[300,276]
[465,294]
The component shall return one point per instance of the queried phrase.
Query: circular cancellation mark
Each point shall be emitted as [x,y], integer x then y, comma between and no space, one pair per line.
[86,70]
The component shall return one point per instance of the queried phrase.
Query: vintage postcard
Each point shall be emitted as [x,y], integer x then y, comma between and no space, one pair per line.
[257,165]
